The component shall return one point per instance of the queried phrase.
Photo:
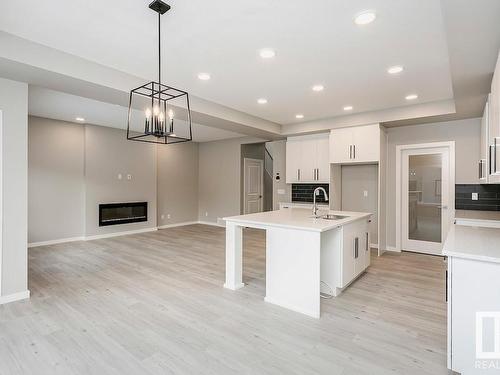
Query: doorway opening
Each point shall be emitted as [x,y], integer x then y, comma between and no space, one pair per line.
[256,178]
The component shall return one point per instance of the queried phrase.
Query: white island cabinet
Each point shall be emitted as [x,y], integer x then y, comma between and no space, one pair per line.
[473,291]
[302,253]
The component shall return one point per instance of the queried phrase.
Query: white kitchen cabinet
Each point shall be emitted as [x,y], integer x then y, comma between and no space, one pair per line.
[484,162]
[494,126]
[357,144]
[307,159]
[355,254]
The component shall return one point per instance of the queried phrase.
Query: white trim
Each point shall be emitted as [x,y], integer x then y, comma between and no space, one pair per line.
[477,223]
[211,223]
[399,151]
[54,242]
[392,248]
[14,297]
[374,246]
[288,306]
[166,226]
[116,234]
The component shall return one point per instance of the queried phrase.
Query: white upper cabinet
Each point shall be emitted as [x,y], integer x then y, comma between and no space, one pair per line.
[484,162]
[494,126]
[357,144]
[307,159]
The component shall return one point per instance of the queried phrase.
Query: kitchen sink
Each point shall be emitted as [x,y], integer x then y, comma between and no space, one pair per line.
[333,217]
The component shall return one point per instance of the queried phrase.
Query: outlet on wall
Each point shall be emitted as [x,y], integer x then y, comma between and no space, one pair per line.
[129,177]
[168,216]
[206,213]
[120,176]
[475,196]
[365,193]
[162,216]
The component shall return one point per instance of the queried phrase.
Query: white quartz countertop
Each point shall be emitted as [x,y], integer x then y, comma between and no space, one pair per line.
[297,218]
[476,243]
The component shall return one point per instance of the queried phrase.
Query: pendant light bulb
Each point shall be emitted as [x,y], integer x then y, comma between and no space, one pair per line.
[161,116]
[156,110]
[148,113]
[171,114]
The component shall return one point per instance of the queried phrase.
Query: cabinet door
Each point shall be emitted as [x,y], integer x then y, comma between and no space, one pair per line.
[341,143]
[348,260]
[494,125]
[366,247]
[307,162]
[293,156]
[366,140]
[323,160]
[483,164]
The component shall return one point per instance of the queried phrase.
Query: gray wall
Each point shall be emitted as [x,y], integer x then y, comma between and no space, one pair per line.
[56,194]
[14,262]
[355,180]
[219,178]
[107,154]
[465,133]
[177,183]
[278,152]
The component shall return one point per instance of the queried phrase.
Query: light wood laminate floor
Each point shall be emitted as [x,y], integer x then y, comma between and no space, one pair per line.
[154,304]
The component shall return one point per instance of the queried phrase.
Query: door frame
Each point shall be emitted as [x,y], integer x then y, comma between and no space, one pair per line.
[399,186]
[1,199]
[245,162]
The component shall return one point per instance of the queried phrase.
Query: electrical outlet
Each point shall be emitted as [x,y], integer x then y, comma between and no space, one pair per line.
[475,196]
[168,216]
[206,213]
[120,176]
[162,216]
[281,191]
[129,177]
[365,193]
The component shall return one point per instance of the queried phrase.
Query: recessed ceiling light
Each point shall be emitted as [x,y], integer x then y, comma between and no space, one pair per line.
[348,108]
[365,17]
[299,116]
[262,101]
[204,76]
[411,97]
[81,119]
[318,88]
[395,69]
[267,53]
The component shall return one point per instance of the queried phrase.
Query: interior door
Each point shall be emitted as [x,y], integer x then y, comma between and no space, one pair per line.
[253,185]
[426,211]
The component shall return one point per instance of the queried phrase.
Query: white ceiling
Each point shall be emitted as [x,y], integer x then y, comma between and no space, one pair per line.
[315,41]
[66,107]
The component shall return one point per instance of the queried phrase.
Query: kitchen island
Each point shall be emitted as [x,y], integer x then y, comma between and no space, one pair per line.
[302,252]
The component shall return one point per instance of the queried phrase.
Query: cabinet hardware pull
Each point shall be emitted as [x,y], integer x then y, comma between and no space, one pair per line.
[350,151]
[367,246]
[354,151]
[356,247]
[317,174]
[480,169]
[298,174]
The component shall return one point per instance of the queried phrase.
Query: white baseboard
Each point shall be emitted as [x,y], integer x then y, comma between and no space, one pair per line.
[392,248]
[116,234]
[374,246]
[166,226]
[211,223]
[54,242]
[14,297]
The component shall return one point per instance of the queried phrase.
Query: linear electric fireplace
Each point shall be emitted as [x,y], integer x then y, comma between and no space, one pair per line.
[122,213]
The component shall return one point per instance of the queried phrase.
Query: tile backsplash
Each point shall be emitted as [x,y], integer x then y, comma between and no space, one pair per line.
[304,192]
[488,197]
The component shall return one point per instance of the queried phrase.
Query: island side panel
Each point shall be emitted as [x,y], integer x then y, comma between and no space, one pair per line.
[234,256]
[293,270]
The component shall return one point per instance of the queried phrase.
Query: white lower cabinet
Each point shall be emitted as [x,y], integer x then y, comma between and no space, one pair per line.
[473,289]
[355,256]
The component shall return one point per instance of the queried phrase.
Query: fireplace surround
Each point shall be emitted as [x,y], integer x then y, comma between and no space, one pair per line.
[122,213]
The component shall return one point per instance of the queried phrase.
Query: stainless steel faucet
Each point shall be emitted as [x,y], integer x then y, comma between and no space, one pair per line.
[316,192]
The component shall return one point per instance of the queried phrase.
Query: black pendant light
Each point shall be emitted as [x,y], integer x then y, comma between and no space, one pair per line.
[158,113]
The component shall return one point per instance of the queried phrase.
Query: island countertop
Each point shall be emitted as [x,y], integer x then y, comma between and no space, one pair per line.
[471,242]
[298,218]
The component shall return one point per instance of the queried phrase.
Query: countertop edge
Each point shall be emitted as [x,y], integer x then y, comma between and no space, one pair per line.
[480,258]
